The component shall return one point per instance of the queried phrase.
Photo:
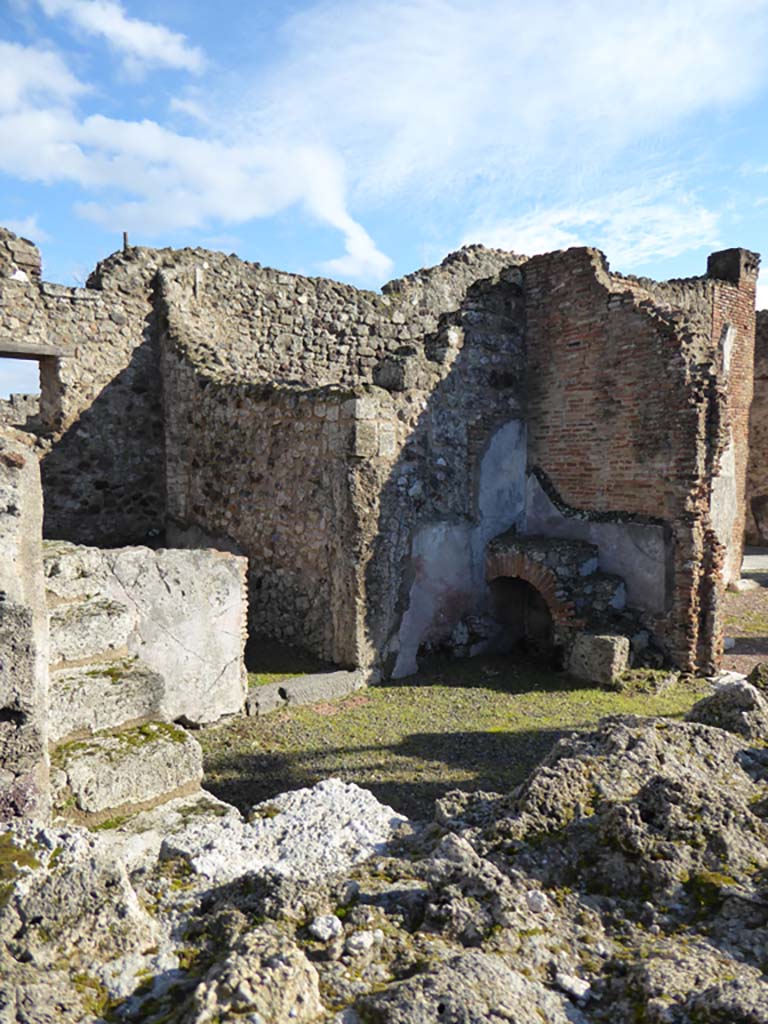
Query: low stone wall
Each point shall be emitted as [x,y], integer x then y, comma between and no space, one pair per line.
[24,781]
[189,614]
[20,410]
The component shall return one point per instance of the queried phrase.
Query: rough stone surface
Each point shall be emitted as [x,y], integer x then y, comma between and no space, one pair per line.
[469,989]
[599,658]
[69,921]
[623,881]
[188,610]
[103,695]
[111,772]
[309,689]
[23,637]
[266,977]
[736,707]
[306,833]
[88,628]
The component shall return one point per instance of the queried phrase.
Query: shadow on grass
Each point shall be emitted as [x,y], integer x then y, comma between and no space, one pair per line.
[408,776]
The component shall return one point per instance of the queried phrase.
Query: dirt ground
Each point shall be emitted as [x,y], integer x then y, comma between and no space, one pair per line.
[747,615]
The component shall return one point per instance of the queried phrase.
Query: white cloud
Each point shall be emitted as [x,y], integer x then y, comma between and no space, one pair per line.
[633,226]
[142,44]
[31,75]
[480,105]
[433,94]
[190,108]
[143,177]
[761,300]
[27,227]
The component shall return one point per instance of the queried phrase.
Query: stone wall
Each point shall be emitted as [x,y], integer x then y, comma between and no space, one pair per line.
[100,401]
[455,479]
[631,409]
[19,258]
[20,411]
[24,785]
[362,449]
[265,468]
[254,323]
[757,476]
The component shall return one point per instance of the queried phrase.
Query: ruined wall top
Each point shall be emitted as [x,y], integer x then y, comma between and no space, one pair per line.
[19,258]
[241,321]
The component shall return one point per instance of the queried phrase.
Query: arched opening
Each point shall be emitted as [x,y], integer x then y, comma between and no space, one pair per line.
[522,611]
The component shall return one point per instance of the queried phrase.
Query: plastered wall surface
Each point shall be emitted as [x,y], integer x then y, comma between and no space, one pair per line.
[756,510]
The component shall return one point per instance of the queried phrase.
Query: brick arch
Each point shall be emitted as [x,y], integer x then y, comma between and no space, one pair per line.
[516,564]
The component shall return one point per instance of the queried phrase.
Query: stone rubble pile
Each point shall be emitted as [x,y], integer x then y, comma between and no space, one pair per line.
[625,881]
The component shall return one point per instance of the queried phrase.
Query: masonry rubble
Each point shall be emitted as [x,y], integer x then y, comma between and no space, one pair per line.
[622,880]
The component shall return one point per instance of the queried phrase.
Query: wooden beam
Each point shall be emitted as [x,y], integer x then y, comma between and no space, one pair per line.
[20,350]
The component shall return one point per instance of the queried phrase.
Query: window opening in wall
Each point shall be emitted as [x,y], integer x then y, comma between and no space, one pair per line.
[30,387]
[19,392]
[522,611]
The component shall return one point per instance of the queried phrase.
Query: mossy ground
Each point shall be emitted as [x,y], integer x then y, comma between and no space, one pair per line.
[473,724]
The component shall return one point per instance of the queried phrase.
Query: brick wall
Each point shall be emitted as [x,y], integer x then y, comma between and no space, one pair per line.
[629,411]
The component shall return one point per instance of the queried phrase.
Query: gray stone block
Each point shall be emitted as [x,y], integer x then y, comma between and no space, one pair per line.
[322,686]
[129,769]
[190,611]
[309,689]
[94,697]
[599,657]
[83,629]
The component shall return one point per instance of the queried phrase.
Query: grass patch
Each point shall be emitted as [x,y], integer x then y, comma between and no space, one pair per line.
[473,724]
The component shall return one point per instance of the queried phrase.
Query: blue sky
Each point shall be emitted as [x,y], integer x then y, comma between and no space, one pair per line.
[362,139]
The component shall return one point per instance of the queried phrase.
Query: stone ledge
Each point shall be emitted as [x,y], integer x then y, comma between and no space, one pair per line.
[310,689]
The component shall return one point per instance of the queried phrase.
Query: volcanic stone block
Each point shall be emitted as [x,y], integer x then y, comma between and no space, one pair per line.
[599,657]
[85,629]
[94,697]
[190,617]
[127,769]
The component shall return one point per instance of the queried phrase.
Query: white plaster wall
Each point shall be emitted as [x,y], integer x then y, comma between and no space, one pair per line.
[448,559]
[634,551]
[725,509]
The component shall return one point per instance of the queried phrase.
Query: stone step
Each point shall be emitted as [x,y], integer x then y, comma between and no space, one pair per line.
[103,695]
[117,773]
[599,594]
[88,627]
[567,559]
